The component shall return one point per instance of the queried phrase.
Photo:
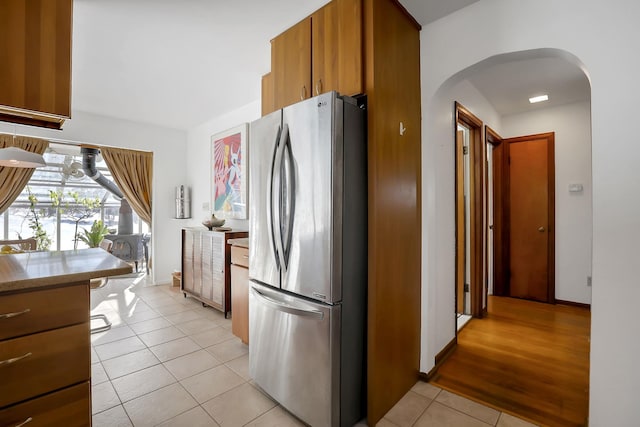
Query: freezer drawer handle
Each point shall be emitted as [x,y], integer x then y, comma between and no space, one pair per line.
[282,306]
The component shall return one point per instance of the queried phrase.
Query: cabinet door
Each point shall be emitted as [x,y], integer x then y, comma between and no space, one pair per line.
[337,48]
[218,270]
[267,94]
[188,260]
[35,54]
[197,264]
[240,302]
[291,64]
[207,252]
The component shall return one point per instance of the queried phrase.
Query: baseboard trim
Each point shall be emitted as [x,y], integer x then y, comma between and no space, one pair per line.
[573,304]
[440,359]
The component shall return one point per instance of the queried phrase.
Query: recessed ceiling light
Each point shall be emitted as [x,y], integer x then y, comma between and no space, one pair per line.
[540,98]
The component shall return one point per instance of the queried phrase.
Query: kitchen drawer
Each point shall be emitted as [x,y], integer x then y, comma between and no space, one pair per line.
[240,256]
[35,311]
[52,360]
[70,407]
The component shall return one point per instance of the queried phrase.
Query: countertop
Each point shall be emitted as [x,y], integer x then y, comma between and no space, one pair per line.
[243,242]
[38,269]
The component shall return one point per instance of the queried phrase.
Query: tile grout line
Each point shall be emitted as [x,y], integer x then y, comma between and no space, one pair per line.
[427,407]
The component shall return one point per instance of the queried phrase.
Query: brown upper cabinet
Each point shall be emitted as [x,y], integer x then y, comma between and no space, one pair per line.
[321,53]
[267,93]
[291,64]
[35,77]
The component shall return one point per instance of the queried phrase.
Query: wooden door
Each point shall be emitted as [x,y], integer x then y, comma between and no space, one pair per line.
[473,223]
[499,220]
[460,224]
[291,64]
[337,48]
[532,219]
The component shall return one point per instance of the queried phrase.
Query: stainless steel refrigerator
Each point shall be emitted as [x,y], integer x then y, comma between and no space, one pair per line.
[308,258]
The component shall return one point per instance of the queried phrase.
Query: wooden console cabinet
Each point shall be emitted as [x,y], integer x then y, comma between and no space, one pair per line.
[206,259]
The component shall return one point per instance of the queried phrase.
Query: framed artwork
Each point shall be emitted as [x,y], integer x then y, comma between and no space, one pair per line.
[229,174]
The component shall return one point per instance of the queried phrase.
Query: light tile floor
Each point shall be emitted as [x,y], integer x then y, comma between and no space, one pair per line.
[169,361]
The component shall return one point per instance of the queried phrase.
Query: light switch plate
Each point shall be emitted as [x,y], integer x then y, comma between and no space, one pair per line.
[575,188]
[205,206]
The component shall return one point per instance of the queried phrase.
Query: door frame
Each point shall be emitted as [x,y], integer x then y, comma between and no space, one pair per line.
[477,160]
[499,170]
[551,212]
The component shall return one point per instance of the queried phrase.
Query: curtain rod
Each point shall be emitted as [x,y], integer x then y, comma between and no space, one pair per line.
[74,143]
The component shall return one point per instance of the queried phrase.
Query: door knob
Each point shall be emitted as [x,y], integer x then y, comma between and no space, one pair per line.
[541,229]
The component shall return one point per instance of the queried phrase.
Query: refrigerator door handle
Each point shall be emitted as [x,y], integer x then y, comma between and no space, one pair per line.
[287,308]
[270,211]
[277,177]
[289,198]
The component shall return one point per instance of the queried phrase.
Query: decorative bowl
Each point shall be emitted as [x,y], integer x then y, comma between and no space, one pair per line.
[213,222]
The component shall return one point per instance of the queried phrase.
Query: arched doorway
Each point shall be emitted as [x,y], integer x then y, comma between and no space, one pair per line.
[482,89]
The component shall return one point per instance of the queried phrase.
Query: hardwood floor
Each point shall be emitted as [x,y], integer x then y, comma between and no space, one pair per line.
[527,358]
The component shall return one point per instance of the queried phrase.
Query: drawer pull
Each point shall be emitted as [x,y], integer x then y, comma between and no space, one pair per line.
[17,313]
[245,256]
[15,359]
[25,422]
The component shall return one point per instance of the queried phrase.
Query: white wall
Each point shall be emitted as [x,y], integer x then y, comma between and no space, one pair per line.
[603,37]
[199,162]
[438,302]
[572,126]
[169,160]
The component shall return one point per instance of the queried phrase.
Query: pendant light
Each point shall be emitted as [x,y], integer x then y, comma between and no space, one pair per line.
[14,157]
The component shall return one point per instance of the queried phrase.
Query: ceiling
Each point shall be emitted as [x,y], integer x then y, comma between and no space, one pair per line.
[508,86]
[179,63]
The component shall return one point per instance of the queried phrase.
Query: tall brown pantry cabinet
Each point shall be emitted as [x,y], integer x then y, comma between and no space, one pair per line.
[392,45]
[372,47]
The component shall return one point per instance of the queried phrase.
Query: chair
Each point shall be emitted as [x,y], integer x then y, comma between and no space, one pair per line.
[107,245]
[98,283]
[23,244]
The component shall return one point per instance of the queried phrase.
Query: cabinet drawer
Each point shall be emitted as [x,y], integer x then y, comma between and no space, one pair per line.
[240,256]
[35,311]
[70,407]
[38,363]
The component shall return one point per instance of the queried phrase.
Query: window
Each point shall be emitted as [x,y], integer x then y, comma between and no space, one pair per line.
[66,201]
